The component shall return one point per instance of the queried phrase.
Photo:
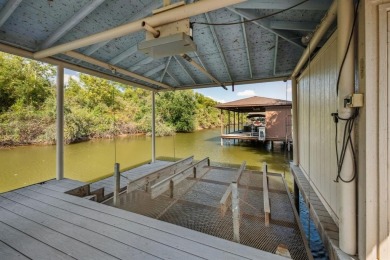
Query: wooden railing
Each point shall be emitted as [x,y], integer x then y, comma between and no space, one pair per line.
[145,181]
[169,183]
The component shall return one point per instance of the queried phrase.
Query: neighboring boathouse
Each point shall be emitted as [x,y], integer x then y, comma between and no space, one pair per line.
[257,119]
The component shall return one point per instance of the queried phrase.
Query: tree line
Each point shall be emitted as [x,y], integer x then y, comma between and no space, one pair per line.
[93,107]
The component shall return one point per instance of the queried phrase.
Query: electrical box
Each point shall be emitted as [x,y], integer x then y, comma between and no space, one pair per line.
[356,100]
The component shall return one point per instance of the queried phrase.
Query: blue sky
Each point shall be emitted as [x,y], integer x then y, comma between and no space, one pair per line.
[277,90]
[270,90]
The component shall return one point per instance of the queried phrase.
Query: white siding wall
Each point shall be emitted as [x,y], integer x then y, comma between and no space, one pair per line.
[317,99]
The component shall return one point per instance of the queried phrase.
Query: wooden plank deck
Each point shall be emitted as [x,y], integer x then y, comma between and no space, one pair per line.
[40,222]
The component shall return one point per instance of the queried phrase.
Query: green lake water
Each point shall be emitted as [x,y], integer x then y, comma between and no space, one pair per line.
[88,161]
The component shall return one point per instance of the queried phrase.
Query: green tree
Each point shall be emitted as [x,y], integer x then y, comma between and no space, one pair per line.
[178,109]
[23,82]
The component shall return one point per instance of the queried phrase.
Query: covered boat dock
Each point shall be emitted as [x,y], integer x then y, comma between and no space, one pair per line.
[275,115]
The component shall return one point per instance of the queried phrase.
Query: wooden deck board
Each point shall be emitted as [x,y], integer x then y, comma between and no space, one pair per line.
[160,243]
[28,245]
[58,220]
[68,245]
[43,222]
[181,234]
[9,253]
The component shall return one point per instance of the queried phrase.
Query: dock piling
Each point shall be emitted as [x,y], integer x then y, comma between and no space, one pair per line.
[236,212]
[117,182]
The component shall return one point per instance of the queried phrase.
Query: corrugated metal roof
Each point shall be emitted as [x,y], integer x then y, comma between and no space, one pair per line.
[262,50]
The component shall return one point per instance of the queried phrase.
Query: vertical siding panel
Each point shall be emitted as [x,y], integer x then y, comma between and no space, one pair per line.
[317,100]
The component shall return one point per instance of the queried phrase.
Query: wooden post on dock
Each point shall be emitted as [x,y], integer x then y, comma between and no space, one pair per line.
[267,208]
[117,183]
[221,127]
[236,212]
[171,187]
[228,122]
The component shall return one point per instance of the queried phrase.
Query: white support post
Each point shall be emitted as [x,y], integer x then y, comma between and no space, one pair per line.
[294,87]
[60,124]
[347,210]
[236,212]
[153,127]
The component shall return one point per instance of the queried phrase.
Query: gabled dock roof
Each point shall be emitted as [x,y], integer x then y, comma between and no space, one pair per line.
[252,104]
[96,37]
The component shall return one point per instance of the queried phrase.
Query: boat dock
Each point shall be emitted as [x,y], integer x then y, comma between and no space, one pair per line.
[42,221]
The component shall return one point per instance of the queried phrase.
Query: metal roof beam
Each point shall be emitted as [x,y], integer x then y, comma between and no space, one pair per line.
[292,26]
[165,69]
[54,61]
[174,79]
[7,10]
[113,68]
[185,70]
[216,41]
[252,81]
[124,55]
[140,63]
[320,5]
[266,25]
[248,55]
[71,23]
[93,48]
[155,70]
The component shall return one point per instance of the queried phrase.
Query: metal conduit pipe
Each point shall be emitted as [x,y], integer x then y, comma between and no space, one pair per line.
[318,34]
[347,208]
[159,19]
[147,27]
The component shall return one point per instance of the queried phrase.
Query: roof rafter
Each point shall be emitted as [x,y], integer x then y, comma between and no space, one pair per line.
[155,70]
[130,51]
[71,23]
[166,68]
[283,4]
[7,10]
[265,25]
[140,63]
[248,55]
[185,70]
[218,46]
[292,26]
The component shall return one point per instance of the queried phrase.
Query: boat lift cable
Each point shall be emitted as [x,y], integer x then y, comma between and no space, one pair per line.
[255,19]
